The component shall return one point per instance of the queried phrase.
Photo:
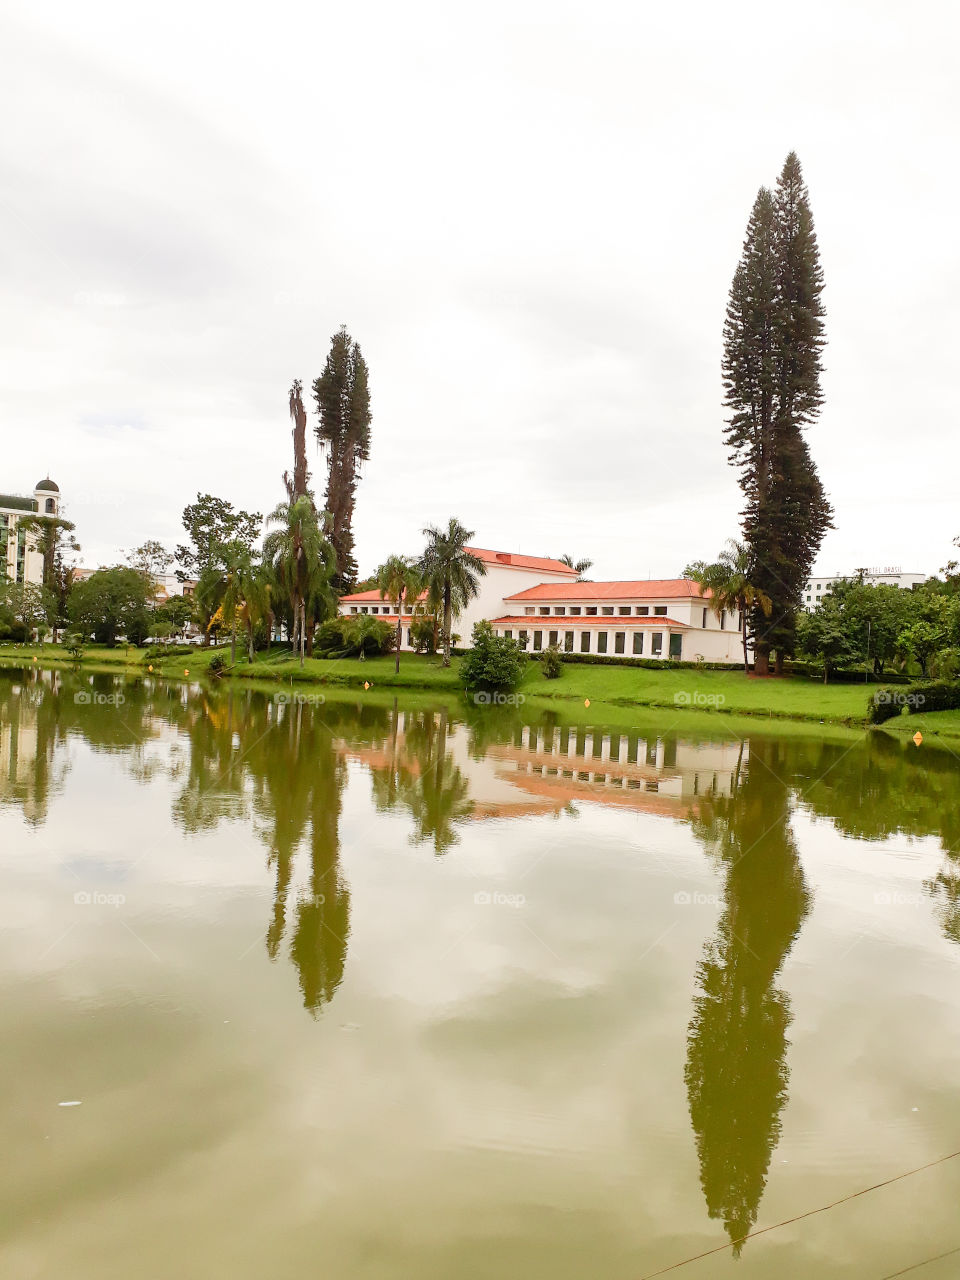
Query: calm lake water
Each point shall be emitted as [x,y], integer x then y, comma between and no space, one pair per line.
[383,990]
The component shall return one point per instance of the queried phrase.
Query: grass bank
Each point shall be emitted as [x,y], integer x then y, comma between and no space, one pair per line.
[681,691]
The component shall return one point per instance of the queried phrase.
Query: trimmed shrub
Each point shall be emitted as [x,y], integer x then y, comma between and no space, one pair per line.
[551,663]
[360,635]
[493,664]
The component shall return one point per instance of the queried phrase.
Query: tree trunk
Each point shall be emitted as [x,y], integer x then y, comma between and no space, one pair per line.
[778,667]
[396,667]
[303,629]
[447,625]
[761,660]
[233,645]
[743,634]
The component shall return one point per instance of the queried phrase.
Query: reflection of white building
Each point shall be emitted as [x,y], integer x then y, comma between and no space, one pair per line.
[539,602]
[20,561]
[542,770]
[891,576]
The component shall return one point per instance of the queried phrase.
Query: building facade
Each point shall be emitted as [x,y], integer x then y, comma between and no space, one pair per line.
[539,602]
[20,560]
[890,576]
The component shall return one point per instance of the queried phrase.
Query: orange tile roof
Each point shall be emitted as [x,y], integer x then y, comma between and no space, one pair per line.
[642,589]
[582,620]
[374,597]
[514,560]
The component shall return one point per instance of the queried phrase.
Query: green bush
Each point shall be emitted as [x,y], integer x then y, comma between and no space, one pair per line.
[551,663]
[494,664]
[217,665]
[938,695]
[359,635]
[422,633]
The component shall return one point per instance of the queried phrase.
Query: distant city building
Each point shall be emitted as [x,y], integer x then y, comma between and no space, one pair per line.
[20,561]
[889,576]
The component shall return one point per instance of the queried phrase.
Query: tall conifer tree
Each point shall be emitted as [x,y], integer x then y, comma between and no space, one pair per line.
[342,397]
[773,340]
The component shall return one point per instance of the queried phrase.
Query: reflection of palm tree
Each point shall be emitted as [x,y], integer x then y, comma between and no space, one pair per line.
[440,795]
[736,1072]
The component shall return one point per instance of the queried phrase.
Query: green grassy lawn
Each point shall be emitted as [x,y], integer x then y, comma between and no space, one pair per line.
[728,691]
[683,691]
[945,724]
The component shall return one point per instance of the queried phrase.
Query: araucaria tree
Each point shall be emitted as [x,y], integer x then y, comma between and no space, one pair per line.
[342,396]
[773,340]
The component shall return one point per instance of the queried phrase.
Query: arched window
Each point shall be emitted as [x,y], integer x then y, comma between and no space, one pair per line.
[50,506]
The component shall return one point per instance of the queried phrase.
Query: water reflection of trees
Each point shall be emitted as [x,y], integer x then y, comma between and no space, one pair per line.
[736,1070]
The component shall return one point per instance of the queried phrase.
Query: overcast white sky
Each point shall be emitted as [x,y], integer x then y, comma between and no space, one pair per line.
[528,215]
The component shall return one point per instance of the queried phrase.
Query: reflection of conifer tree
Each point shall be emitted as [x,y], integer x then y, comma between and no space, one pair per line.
[736,1070]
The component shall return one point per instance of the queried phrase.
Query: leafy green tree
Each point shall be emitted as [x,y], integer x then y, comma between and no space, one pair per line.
[53,538]
[302,562]
[921,640]
[151,558]
[28,604]
[400,580]
[450,573]
[213,525]
[728,582]
[493,664]
[112,602]
[175,612]
[342,397]
[827,634]
[773,341]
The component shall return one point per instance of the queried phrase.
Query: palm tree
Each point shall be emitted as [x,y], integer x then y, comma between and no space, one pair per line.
[450,571]
[579,566]
[399,579]
[728,582]
[302,562]
[257,607]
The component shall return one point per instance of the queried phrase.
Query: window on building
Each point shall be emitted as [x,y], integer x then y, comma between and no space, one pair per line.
[704,621]
[568,642]
[623,610]
[591,610]
[575,608]
[619,642]
[607,610]
[529,610]
[676,644]
[660,610]
[602,642]
[585,642]
[559,610]
[638,642]
[554,637]
[523,637]
[376,609]
[508,634]
[50,506]
[364,608]
[723,619]
[642,610]
[538,640]
[410,638]
[353,608]
[545,610]
[656,644]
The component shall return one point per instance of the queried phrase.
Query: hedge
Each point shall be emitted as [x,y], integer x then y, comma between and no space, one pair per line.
[939,695]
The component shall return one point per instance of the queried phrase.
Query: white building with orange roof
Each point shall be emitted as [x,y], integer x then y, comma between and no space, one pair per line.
[538,602]
[507,572]
[643,618]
